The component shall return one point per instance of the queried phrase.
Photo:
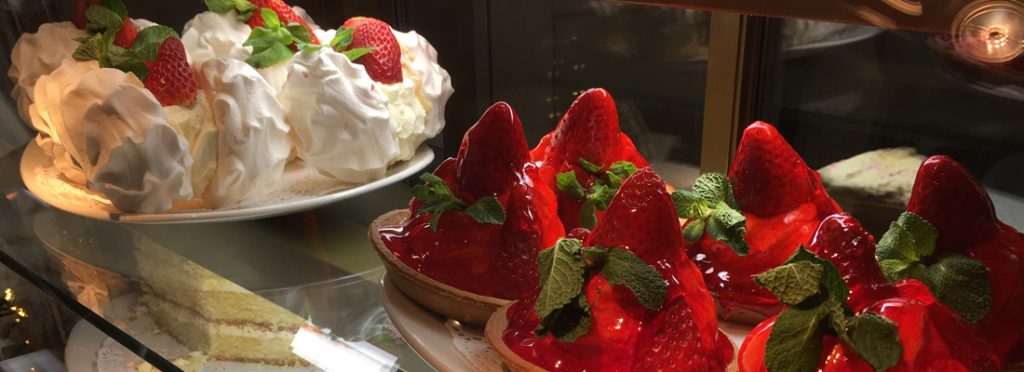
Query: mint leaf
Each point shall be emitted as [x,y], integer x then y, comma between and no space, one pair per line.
[923,232]
[963,284]
[910,238]
[264,38]
[561,276]
[694,230]
[793,283]
[92,48]
[437,198]
[715,187]
[149,40]
[622,169]
[220,6]
[117,6]
[299,33]
[569,322]
[100,18]
[794,343]
[588,215]
[342,38]
[876,339]
[568,184]
[128,61]
[601,196]
[590,167]
[688,204]
[270,19]
[487,210]
[624,268]
[354,53]
[830,278]
[729,226]
[273,55]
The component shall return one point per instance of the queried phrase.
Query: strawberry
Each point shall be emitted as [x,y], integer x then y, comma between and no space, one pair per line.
[80,6]
[641,218]
[492,151]
[522,236]
[384,63]
[588,130]
[171,79]
[769,178]
[951,199]
[842,240]
[672,341]
[126,35]
[284,12]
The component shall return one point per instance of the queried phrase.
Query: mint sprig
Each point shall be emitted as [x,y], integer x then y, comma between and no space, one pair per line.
[600,193]
[274,42]
[103,21]
[244,8]
[907,250]
[815,296]
[438,199]
[711,206]
[564,268]
[342,39]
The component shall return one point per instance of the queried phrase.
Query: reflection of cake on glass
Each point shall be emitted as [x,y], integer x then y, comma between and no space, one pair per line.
[211,315]
[151,122]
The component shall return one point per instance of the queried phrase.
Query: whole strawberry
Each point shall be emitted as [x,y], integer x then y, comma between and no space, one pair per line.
[284,12]
[171,78]
[126,35]
[384,62]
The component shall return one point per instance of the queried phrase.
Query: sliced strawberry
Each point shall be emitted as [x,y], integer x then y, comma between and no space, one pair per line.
[80,6]
[492,152]
[769,177]
[126,35]
[384,63]
[672,341]
[284,12]
[951,199]
[171,79]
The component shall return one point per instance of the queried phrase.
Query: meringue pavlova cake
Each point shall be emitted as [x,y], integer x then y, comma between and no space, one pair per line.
[358,98]
[152,122]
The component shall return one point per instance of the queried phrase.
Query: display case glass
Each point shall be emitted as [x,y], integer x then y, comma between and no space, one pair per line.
[864,91]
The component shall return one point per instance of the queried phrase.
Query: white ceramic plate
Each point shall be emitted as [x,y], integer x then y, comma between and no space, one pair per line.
[300,188]
[83,344]
[427,334]
[423,330]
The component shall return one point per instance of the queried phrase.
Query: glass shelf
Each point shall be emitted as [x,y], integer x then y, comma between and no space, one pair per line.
[273,273]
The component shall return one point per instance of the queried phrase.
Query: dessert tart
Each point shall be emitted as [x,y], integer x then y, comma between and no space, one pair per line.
[981,256]
[469,239]
[842,315]
[620,298]
[755,218]
[576,155]
[152,122]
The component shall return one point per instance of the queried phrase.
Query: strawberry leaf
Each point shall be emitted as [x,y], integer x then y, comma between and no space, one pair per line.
[487,210]
[624,268]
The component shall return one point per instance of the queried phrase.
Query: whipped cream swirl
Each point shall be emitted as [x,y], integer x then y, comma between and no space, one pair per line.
[38,54]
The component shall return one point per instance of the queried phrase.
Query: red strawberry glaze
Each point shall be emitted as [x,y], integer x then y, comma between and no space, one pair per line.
[934,338]
[487,259]
[588,130]
[951,199]
[783,201]
[624,336]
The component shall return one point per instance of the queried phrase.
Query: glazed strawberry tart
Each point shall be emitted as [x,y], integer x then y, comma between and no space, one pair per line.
[468,242]
[152,121]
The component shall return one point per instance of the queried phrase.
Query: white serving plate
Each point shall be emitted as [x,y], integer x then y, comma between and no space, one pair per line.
[427,333]
[300,188]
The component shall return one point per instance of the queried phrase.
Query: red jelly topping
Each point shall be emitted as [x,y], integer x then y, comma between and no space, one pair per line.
[951,199]
[487,259]
[624,336]
[588,130]
[783,201]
